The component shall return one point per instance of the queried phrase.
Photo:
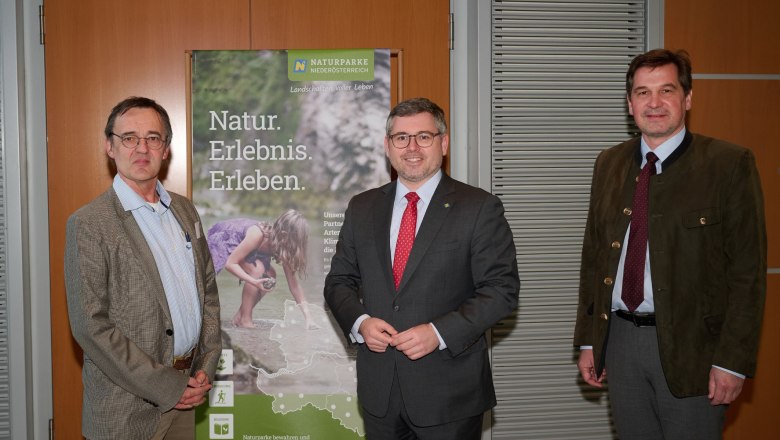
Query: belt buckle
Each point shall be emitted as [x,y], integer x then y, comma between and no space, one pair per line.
[184,362]
[639,318]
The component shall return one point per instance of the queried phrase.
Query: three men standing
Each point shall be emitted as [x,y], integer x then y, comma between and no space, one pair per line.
[672,286]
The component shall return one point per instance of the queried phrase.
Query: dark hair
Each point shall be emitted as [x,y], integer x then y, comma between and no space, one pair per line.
[415,106]
[661,57]
[139,102]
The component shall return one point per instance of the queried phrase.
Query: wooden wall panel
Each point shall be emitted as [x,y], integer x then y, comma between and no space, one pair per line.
[97,53]
[728,110]
[754,415]
[725,37]
[419,28]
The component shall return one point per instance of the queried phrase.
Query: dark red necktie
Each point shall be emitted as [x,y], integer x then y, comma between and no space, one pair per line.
[403,246]
[634,267]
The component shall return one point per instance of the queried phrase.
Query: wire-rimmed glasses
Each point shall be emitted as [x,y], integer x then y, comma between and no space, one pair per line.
[131,141]
[423,139]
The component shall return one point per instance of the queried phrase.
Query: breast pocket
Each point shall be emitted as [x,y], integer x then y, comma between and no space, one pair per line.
[701,218]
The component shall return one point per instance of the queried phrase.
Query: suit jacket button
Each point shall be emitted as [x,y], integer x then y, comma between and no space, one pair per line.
[396,308]
[627,211]
[169,332]
[604,316]
[615,244]
[703,220]
[608,281]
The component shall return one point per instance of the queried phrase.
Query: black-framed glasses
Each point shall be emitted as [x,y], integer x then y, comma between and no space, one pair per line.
[424,139]
[131,141]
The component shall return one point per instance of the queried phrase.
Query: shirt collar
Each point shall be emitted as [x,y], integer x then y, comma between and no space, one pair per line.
[425,191]
[664,150]
[131,200]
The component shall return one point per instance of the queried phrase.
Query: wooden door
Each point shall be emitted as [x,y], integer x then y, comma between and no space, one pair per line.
[99,52]
[420,29]
[735,102]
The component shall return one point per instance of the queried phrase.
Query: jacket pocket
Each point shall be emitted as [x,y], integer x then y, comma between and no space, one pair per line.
[701,218]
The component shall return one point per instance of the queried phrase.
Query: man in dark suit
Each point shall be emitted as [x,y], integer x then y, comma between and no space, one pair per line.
[422,366]
[673,273]
[142,295]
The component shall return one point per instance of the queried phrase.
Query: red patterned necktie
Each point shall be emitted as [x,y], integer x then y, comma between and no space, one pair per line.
[403,245]
[634,267]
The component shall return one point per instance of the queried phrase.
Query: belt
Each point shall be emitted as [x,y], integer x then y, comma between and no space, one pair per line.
[183,362]
[638,319]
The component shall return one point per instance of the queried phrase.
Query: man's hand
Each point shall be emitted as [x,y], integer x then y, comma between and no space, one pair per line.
[417,341]
[377,334]
[724,387]
[588,369]
[196,390]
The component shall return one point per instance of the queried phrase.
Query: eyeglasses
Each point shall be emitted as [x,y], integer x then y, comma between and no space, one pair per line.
[131,141]
[424,139]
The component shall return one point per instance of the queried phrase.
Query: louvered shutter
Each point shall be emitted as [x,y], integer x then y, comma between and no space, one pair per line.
[5,396]
[558,98]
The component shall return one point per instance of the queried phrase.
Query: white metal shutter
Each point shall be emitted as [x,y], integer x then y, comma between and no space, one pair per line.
[5,395]
[558,98]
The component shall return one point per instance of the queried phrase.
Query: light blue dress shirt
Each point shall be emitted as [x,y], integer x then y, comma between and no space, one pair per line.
[662,151]
[172,250]
[399,206]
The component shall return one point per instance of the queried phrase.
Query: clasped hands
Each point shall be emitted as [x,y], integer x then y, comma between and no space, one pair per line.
[196,390]
[415,342]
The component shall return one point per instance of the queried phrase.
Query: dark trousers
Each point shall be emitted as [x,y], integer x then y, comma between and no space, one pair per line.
[395,425]
[642,405]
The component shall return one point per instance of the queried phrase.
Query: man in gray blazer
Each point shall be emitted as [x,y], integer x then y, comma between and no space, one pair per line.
[422,365]
[674,317]
[141,290]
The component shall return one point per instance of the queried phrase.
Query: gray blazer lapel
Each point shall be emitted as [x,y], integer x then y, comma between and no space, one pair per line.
[383,213]
[141,248]
[434,218]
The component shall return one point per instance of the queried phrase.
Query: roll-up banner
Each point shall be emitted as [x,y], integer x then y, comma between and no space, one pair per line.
[280,142]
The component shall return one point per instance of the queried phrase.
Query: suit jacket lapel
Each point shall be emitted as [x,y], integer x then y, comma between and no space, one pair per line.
[383,213]
[141,248]
[435,216]
[630,168]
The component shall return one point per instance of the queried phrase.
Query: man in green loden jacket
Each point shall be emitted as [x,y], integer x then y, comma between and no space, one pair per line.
[673,273]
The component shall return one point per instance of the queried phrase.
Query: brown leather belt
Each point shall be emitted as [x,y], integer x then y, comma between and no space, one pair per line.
[183,362]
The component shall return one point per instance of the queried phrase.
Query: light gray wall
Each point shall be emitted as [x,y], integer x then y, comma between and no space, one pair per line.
[26,214]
